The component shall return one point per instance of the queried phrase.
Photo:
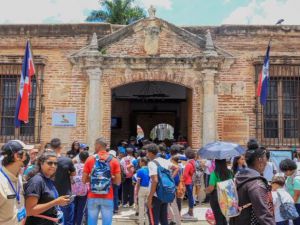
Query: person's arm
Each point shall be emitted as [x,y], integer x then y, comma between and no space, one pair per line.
[154,182]
[72,169]
[175,170]
[259,197]
[85,178]
[33,208]
[87,170]
[116,171]
[138,184]
[212,183]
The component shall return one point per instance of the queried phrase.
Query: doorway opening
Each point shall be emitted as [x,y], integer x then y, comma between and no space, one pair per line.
[148,107]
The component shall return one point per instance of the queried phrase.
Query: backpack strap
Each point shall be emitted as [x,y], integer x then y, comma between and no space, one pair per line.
[156,163]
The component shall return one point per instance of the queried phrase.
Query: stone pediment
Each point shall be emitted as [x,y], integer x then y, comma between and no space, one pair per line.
[153,37]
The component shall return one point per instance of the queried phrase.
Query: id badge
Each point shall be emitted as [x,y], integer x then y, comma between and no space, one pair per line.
[21,214]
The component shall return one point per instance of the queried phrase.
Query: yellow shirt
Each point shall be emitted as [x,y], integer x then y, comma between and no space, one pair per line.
[9,207]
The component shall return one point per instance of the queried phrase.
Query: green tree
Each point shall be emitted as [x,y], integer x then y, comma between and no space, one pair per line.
[117,12]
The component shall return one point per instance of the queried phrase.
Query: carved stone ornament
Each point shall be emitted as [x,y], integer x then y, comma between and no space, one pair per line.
[151,44]
[152,11]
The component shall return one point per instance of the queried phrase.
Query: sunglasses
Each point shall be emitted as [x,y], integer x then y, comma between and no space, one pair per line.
[51,163]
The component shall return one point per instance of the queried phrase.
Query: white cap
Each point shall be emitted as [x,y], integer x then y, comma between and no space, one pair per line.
[25,147]
[113,153]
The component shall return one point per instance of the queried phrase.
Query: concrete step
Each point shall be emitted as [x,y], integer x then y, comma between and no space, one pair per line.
[127,216]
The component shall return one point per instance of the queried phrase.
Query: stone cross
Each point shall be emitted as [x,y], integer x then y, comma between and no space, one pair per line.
[152,11]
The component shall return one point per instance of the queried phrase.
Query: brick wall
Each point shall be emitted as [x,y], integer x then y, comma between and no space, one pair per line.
[66,87]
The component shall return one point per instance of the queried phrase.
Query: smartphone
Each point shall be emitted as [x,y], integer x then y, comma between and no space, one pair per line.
[72,197]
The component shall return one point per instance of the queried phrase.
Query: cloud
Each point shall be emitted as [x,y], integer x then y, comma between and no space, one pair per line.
[45,11]
[266,12]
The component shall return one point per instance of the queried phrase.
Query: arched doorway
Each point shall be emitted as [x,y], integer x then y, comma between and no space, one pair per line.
[162,131]
[149,103]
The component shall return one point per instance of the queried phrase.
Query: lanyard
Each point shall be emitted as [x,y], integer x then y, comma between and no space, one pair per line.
[12,186]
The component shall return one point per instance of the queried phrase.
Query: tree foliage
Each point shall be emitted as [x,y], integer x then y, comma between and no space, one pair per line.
[117,12]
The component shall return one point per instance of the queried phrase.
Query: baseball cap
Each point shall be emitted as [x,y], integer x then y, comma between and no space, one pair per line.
[14,146]
[25,146]
[113,153]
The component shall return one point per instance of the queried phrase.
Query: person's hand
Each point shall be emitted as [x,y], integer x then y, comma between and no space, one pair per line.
[149,203]
[63,200]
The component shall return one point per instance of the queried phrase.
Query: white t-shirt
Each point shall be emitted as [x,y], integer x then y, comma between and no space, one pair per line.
[269,171]
[153,167]
[285,197]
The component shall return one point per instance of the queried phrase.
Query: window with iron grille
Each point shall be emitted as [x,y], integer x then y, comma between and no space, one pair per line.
[9,89]
[278,122]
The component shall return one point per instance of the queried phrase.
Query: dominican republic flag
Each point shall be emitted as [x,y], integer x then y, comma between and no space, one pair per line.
[262,89]
[22,107]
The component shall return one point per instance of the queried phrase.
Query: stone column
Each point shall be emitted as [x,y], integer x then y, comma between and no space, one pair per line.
[94,107]
[209,107]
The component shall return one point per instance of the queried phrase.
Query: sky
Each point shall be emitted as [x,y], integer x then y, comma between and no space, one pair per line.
[179,12]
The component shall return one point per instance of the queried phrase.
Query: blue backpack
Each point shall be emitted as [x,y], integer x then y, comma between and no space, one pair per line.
[101,176]
[166,188]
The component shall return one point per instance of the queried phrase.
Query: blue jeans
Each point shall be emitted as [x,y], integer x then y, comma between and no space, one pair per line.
[189,191]
[297,221]
[116,197]
[95,205]
[80,209]
[68,211]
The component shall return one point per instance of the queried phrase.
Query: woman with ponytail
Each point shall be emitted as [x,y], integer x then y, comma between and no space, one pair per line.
[42,200]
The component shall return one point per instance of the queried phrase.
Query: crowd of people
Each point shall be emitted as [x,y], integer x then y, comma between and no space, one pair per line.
[48,187]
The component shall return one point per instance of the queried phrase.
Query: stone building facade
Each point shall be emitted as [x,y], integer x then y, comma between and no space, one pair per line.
[81,68]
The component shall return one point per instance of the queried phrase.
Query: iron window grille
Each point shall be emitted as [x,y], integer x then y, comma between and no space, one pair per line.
[278,122]
[9,90]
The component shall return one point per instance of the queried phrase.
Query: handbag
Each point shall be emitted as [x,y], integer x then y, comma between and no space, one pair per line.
[287,210]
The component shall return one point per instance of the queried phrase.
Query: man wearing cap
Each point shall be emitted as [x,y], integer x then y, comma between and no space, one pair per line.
[15,157]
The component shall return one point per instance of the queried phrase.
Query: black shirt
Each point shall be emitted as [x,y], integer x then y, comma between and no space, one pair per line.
[43,188]
[65,166]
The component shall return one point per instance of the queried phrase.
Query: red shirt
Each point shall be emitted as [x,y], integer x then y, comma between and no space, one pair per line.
[189,171]
[114,170]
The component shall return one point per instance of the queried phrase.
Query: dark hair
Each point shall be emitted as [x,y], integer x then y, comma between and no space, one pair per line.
[252,144]
[144,160]
[83,156]
[152,148]
[253,154]
[175,158]
[175,149]
[221,169]
[55,143]
[47,145]
[235,164]
[190,153]
[73,146]
[287,164]
[45,156]
[268,154]
[9,155]
[143,153]
[162,147]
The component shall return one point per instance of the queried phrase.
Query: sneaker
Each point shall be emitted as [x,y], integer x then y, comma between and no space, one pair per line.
[126,206]
[187,216]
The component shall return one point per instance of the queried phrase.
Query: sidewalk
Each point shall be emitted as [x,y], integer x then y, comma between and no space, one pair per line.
[127,216]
